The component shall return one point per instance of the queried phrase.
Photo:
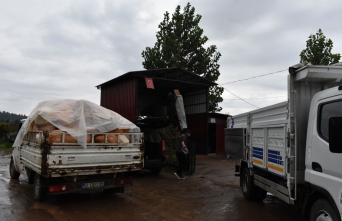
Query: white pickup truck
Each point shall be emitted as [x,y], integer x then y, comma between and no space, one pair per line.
[88,153]
[294,149]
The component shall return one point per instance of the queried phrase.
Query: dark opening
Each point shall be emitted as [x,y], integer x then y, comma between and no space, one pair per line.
[212,138]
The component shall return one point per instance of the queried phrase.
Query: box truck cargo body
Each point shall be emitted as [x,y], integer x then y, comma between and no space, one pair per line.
[293,149]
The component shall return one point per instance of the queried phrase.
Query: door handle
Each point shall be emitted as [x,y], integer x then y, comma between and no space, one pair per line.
[316,167]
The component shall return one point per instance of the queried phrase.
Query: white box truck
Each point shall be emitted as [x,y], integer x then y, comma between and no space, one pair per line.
[75,146]
[293,149]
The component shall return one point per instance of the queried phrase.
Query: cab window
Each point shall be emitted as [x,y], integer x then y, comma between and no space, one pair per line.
[328,110]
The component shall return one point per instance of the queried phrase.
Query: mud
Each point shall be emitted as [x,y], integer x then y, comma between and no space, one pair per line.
[212,193]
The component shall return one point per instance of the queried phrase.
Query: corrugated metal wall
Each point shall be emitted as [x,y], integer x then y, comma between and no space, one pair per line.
[195,101]
[220,138]
[121,98]
[197,123]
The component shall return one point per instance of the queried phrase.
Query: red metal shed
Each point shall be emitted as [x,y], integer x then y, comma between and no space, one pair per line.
[216,124]
[130,96]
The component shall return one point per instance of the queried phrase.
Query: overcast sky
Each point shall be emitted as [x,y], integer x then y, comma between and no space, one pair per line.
[63,49]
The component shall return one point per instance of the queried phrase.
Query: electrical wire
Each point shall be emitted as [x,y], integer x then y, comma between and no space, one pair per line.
[256,98]
[240,98]
[254,77]
[246,80]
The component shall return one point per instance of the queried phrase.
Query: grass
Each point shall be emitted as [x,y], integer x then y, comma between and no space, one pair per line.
[6,147]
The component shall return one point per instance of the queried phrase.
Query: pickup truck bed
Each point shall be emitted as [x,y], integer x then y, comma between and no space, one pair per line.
[71,159]
[61,167]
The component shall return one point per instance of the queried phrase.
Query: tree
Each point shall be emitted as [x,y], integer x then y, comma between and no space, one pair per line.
[318,50]
[4,129]
[180,44]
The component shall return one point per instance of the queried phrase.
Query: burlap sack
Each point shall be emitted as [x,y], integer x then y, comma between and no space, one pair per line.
[69,139]
[32,127]
[123,139]
[56,137]
[42,124]
[119,130]
[66,117]
[100,138]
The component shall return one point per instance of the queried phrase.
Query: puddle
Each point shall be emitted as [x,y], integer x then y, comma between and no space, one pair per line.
[5,201]
[4,168]
[226,208]
[4,178]
[12,183]
[47,207]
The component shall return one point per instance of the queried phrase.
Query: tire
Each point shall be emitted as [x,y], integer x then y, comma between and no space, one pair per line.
[246,184]
[249,190]
[156,171]
[13,173]
[40,191]
[30,174]
[322,210]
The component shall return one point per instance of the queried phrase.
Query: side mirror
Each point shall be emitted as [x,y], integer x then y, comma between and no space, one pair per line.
[335,134]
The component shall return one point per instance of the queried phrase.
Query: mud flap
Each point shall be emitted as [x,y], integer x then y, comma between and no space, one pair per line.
[237,170]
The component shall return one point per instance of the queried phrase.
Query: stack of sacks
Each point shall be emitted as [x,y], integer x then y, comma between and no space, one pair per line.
[57,135]
[41,124]
[79,120]
[112,138]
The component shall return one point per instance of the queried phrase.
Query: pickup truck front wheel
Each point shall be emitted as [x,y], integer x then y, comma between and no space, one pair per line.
[13,173]
[40,190]
[323,211]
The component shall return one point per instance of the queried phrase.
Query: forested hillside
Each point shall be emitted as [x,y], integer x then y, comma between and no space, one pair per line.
[10,117]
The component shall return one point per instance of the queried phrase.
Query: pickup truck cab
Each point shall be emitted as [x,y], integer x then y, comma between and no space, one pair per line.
[154,145]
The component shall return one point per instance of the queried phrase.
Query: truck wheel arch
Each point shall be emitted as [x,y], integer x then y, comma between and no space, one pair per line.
[14,162]
[315,194]
[30,175]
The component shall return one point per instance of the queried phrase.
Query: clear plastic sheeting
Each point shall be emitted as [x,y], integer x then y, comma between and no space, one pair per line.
[77,117]
[181,112]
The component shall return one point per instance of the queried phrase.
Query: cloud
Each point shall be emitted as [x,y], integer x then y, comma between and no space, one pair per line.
[63,49]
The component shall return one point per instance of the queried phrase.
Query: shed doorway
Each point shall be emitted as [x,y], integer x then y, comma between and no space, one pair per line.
[212,137]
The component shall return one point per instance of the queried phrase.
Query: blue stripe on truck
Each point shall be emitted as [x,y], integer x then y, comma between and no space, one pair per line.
[277,157]
[258,153]
[257,156]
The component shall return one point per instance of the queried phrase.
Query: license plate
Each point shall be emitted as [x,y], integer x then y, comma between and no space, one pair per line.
[92,185]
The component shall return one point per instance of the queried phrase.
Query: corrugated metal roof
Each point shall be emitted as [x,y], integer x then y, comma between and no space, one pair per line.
[166,75]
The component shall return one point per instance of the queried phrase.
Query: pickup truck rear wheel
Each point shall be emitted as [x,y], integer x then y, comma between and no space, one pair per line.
[40,190]
[13,173]
[322,210]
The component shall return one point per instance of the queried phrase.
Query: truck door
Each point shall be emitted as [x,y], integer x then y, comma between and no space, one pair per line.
[323,167]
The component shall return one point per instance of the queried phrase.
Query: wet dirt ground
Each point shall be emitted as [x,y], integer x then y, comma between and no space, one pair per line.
[212,193]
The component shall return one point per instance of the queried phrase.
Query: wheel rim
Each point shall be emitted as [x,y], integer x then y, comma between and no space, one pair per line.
[323,216]
[36,187]
[244,185]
